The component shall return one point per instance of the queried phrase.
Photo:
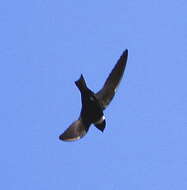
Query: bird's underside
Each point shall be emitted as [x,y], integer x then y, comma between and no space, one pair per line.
[93,104]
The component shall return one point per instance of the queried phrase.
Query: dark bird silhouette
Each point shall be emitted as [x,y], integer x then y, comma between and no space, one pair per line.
[93,104]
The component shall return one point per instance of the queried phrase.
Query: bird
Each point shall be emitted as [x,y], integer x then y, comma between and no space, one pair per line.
[93,104]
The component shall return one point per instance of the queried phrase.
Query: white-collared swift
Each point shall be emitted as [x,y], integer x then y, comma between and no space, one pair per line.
[93,104]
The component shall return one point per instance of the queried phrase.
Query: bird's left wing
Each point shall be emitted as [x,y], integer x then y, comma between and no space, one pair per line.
[74,132]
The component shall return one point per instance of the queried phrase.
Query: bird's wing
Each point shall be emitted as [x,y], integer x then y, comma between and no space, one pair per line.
[74,132]
[106,94]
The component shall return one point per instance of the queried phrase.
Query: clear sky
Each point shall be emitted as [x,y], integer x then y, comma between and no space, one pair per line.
[45,46]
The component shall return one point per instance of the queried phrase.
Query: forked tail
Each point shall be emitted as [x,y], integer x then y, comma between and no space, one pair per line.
[81,83]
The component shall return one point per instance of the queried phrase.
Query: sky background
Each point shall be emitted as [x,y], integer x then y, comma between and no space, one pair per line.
[45,46]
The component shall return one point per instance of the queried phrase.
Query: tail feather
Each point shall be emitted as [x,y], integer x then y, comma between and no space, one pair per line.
[81,83]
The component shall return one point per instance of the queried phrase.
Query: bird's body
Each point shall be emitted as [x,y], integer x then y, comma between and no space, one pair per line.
[93,104]
[91,111]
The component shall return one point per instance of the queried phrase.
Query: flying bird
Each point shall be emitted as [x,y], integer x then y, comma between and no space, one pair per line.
[93,104]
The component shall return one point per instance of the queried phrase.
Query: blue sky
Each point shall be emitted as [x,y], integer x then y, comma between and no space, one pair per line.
[45,46]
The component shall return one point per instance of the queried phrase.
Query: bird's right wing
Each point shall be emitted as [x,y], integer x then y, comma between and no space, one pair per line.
[106,94]
[74,132]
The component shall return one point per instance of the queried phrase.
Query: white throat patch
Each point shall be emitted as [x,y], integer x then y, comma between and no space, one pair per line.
[100,120]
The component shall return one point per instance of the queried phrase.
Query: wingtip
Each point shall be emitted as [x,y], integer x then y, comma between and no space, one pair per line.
[64,138]
[69,139]
[125,53]
[124,56]
[61,138]
[74,132]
